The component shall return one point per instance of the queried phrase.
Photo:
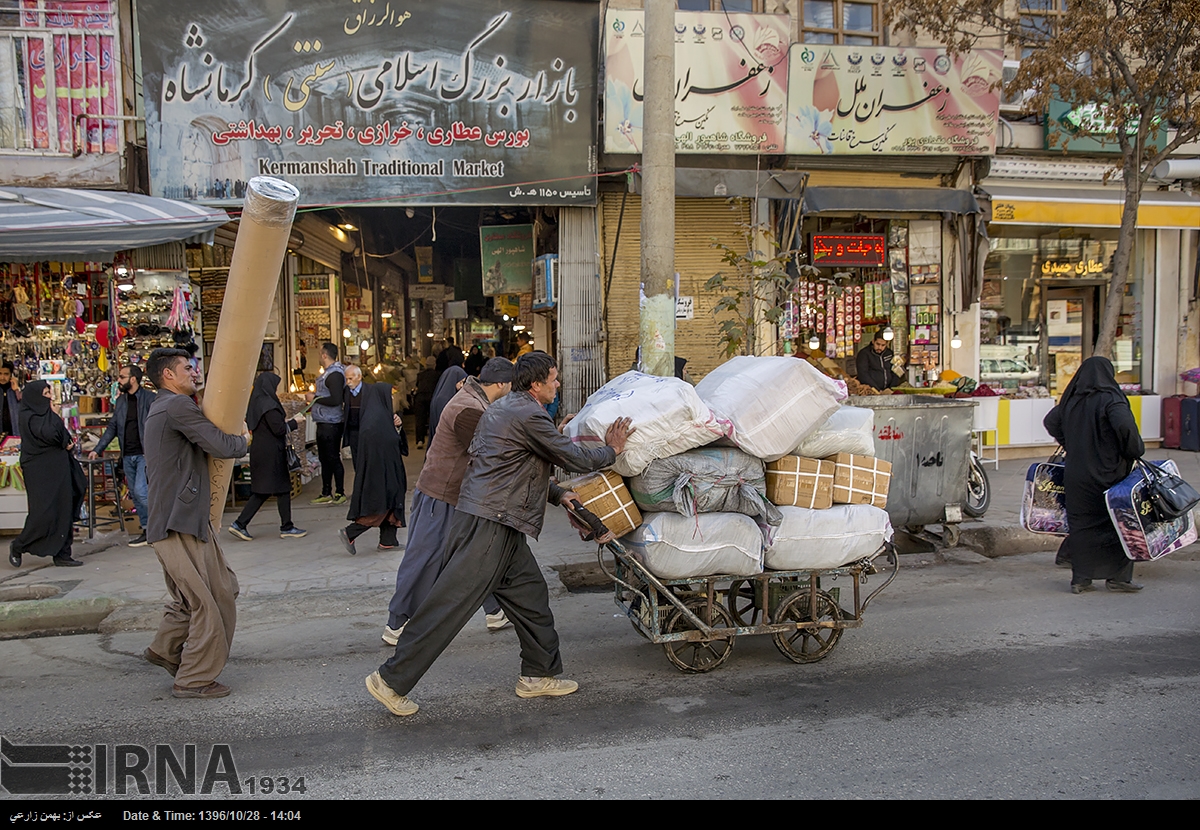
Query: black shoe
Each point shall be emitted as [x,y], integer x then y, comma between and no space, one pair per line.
[1123,587]
[66,562]
[14,558]
[138,541]
[1082,587]
[347,541]
[1062,561]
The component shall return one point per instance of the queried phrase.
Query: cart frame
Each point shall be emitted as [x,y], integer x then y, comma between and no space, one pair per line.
[696,619]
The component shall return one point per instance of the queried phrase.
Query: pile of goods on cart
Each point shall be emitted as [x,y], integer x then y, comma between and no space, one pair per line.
[758,468]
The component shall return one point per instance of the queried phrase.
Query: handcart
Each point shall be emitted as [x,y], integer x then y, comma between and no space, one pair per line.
[697,619]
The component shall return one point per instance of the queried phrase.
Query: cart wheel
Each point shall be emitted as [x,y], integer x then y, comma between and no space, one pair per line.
[808,644]
[951,534]
[703,655]
[741,602]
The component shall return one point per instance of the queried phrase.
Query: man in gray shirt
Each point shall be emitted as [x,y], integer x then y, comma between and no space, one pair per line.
[196,631]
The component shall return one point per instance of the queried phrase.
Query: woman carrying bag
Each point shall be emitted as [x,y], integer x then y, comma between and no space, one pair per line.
[269,475]
[1094,424]
[54,481]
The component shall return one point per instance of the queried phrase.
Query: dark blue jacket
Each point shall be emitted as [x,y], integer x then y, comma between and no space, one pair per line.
[116,425]
[12,404]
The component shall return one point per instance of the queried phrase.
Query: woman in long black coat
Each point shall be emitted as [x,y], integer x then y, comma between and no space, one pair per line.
[381,482]
[54,482]
[269,475]
[1095,425]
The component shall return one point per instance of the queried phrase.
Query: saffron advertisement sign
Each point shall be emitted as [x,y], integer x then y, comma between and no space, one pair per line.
[407,101]
[506,252]
[730,80]
[892,100]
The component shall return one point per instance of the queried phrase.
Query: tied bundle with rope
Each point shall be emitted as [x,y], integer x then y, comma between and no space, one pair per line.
[706,480]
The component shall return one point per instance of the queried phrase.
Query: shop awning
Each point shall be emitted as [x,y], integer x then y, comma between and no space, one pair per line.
[60,224]
[1077,207]
[889,200]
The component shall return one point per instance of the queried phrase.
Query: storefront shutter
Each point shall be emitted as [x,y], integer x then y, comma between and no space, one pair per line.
[697,223]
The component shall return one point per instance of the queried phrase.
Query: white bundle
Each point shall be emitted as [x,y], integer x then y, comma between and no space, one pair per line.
[850,429]
[773,403]
[679,547]
[668,416]
[819,539]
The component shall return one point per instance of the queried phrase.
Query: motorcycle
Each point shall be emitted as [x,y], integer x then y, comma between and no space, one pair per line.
[979,490]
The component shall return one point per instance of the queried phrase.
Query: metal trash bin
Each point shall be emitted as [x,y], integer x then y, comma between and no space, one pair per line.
[927,440]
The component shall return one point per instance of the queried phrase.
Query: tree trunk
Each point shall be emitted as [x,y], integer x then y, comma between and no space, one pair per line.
[1121,262]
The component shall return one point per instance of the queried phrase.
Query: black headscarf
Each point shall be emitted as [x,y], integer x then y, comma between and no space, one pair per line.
[1096,376]
[41,429]
[446,389]
[380,481]
[263,398]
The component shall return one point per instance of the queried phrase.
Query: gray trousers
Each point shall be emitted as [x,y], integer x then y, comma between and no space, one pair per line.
[481,557]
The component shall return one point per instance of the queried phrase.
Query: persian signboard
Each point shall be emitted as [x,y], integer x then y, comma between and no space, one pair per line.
[730,80]
[892,100]
[506,252]
[408,101]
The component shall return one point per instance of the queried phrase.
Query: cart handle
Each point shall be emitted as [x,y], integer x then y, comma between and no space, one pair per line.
[588,518]
[890,555]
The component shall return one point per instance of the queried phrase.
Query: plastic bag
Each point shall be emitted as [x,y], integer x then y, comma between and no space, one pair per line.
[1044,504]
[1132,515]
[773,403]
[706,480]
[850,429]
[679,547]
[668,416]
[830,538]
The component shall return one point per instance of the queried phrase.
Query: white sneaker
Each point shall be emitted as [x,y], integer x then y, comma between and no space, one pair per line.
[498,621]
[391,636]
[543,686]
[385,694]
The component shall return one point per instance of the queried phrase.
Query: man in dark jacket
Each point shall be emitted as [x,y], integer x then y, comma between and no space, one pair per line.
[128,425]
[10,396]
[196,631]
[503,497]
[874,364]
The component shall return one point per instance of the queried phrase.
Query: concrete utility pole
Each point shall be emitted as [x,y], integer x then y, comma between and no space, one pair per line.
[657,329]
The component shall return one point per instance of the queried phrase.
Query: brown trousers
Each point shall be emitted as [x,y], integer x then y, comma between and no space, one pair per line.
[197,625]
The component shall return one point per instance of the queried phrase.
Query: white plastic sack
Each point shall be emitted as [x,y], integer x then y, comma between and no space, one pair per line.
[668,416]
[819,539]
[850,429]
[773,403]
[678,547]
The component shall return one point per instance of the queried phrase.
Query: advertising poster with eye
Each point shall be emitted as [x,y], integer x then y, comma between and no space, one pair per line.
[892,100]
[413,101]
[730,80]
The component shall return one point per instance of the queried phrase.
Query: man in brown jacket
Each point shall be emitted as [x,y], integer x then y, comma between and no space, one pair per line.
[436,496]
[196,631]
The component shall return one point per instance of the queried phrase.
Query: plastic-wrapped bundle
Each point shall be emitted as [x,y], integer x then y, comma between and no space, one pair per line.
[706,480]
[773,403]
[679,547]
[668,415]
[819,539]
[850,429]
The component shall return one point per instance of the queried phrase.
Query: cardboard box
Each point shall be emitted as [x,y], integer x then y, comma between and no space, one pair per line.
[605,494]
[860,479]
[793,481]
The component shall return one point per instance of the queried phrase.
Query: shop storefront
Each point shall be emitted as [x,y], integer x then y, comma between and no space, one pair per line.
[90,281]
[1046,282]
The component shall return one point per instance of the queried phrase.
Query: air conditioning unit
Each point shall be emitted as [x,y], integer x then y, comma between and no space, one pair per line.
[1012,104]
[545,281]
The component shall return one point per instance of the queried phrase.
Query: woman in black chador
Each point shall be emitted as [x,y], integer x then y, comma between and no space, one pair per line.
[54,481]
[380,483]
[269,475]
[1095,425]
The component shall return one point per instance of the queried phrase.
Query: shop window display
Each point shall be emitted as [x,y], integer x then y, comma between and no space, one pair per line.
[1043,297]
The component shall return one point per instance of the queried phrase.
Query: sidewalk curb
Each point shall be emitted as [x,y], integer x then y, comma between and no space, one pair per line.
[46,617]
[1007,540]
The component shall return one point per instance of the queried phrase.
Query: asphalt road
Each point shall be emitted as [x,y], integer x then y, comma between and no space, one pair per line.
[966,681]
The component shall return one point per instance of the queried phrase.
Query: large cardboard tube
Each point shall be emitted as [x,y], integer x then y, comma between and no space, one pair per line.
[258,255]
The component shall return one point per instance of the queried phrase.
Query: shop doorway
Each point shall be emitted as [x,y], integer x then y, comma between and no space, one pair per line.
[1071,326]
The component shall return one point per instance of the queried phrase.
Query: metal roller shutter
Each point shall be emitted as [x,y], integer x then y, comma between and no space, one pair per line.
[697,223]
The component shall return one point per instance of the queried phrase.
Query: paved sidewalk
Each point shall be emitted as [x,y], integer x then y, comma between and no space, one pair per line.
[270,566]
